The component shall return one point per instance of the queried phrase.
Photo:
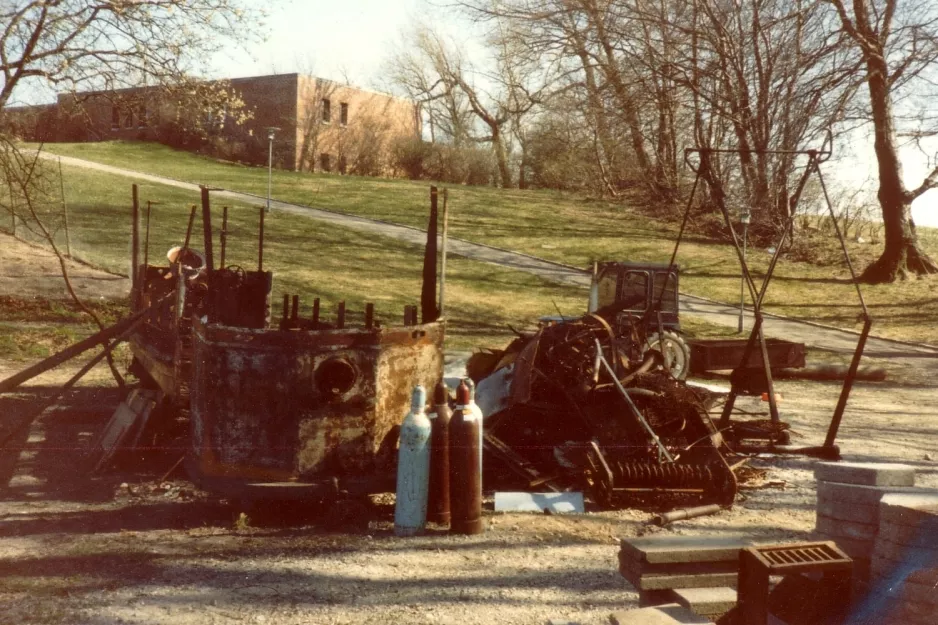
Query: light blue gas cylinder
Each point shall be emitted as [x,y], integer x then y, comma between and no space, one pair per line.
[413,468]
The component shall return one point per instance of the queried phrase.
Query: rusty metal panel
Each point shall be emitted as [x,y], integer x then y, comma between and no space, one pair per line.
[304,405]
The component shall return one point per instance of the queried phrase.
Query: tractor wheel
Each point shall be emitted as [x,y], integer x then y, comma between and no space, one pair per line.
[675,351]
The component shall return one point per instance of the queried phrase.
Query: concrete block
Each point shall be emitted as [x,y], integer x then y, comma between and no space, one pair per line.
[708,580]
[912,557]
[865,495]
[858,513]
[560,621]
[923,535]
[865,473]
[668,614]
[909,509]
[658,549]
[846,529]
[651,598]
[675,568]
[706,601]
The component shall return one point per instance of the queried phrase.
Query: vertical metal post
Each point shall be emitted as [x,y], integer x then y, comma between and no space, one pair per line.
[146,239]
[68,243]
[340,316]
[134,237]
[271,131]
[260,243]
[443,255]
[270,166]
[224,235]
[207,231]
[848,385]
[316,312]
[428,309]
[369,316]
[295,310]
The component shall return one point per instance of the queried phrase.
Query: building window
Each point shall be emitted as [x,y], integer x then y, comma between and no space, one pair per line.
[142,115]
[128,119]
[115,117]
[326,111]
[324,164]
[342,165]
[343,113]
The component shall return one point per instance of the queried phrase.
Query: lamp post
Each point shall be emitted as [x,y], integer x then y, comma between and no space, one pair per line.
[743,219]
[271,131]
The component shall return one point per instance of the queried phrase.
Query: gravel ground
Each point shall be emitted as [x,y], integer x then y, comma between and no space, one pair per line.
[77,549]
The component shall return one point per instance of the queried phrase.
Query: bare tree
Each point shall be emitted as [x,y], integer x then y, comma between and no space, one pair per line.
[497,98]
[897,45]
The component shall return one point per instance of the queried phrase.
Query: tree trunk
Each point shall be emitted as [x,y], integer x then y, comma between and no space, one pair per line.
[501,159]
[902,254]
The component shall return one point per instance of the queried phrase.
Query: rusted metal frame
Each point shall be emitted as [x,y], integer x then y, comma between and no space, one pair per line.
[750,344]
[811,166]
[843,246]
[78,348]
[677,243]
[662,450]
[212,294]
[515,462]
[185,245]
[428,307]
[757,296]
[848,386]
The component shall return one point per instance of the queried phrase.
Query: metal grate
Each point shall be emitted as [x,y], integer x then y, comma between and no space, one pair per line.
[803,553]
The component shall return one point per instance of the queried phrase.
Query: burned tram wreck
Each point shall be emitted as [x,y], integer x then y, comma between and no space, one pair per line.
[301,407]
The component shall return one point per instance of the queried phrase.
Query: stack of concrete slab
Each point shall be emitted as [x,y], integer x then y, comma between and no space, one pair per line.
[848,495]
[710,603]
[908,536]
[656,565]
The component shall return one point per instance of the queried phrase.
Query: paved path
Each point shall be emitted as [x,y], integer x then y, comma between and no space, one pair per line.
[821,337]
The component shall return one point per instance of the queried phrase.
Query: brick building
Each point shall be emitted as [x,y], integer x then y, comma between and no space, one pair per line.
[322,125]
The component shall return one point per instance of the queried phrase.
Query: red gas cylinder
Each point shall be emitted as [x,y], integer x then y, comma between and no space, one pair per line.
[465,483]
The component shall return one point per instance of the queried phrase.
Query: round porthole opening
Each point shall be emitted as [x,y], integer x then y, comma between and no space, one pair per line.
[335,377]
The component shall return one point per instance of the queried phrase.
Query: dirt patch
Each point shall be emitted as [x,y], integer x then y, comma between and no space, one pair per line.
[33,271]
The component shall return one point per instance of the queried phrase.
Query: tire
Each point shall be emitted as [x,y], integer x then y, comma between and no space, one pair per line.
[675,351]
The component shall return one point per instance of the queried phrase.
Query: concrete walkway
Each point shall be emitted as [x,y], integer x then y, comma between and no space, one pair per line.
[832,339]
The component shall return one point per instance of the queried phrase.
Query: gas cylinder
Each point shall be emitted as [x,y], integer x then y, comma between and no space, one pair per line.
[413,468]
[474,407]
[440,416]
[465,482]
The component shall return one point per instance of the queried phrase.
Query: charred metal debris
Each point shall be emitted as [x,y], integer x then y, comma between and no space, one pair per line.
[584,406]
